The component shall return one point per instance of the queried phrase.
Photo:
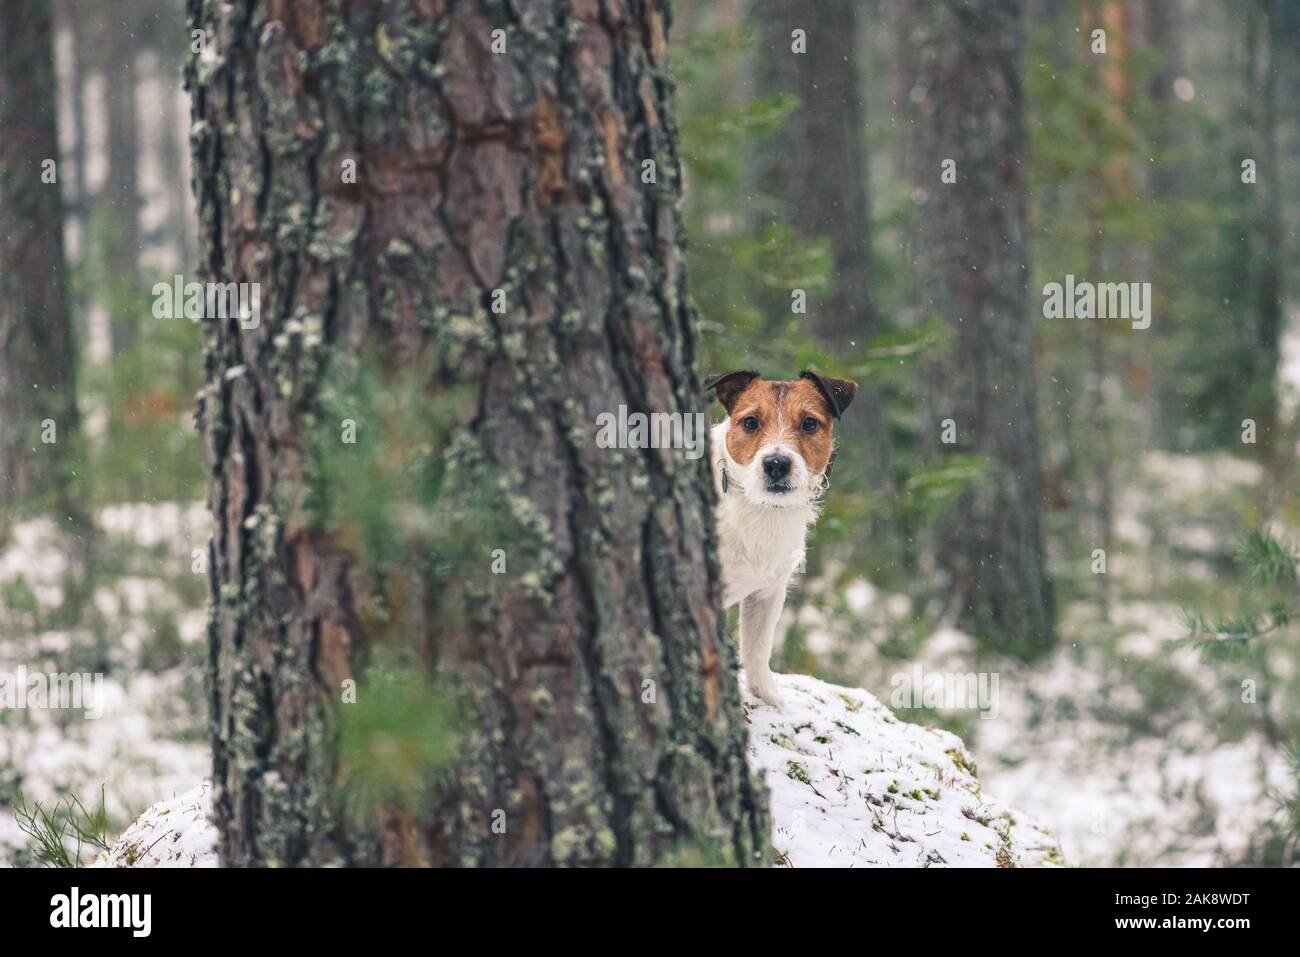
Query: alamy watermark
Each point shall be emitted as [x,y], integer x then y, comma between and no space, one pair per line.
[38,691]
[179,299]
[1103,300]
[946,691]
[656,430]
[75,909]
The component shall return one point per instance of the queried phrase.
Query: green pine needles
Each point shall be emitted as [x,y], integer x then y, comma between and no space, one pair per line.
[1269,565]
[61,834]
[1244,636]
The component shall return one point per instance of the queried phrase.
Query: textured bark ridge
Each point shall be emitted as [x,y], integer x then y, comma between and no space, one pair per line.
[974,271]
[36,378]
[476,171]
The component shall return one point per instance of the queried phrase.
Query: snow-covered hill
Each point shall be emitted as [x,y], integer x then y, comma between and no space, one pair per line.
[851,786]
[854,786]
[174,833]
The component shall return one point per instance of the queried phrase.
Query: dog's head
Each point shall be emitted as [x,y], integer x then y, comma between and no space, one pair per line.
[779,433]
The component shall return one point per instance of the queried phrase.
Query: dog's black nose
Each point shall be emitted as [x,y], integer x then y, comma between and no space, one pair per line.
[776,467]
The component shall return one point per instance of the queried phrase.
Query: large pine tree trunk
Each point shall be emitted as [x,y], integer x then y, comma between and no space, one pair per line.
[603,724]
[973,272]
[36,345]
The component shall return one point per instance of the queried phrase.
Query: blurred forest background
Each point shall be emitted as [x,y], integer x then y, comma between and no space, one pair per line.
[1148,662]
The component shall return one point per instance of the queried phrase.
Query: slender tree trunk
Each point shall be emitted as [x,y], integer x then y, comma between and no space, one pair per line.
[72,13]
[895,30]
[603,720]
[1163,30]
[1266,214]
[1285,48]
[122,189]
[173,160]
[162,28]
[973,271]
[1110,183]
[816,167]
[816,170]
[38,411]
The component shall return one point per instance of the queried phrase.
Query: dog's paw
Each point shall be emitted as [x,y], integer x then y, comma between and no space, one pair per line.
[763,686]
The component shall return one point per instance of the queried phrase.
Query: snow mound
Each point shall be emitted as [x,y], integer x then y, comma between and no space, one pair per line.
[173,833]
[853,786]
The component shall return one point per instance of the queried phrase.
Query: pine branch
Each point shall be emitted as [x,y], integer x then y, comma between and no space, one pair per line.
[1266,559]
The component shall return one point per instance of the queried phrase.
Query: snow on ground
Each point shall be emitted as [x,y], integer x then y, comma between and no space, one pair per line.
[853,786]
[1288,373]
[1128,747]
[137,636]
[1116,746]
[127,751]
[174,833]
[1125,777]
[1114,742]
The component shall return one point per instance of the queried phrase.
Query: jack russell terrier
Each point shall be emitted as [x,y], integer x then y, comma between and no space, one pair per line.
[771,460]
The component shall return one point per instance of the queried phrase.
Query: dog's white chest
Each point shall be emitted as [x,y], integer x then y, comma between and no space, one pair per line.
[759,545]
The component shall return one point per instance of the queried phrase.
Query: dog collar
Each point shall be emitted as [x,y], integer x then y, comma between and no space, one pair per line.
[726,479]
[824,482]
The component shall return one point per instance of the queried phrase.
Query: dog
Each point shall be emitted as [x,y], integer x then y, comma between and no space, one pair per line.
[771,463]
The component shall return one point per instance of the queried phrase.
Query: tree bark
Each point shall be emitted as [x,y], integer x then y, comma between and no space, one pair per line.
[973,272]
[518,171]
[36,343]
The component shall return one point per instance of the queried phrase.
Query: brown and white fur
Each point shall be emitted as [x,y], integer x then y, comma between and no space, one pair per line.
[770,461]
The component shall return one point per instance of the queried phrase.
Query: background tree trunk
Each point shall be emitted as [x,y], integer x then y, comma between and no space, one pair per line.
[122,189]
[819,173]
[172,155]
[160,26]
[1265,43]
[476,171]
[1163,31]
[815,168]
[36,343]
[973,272]
[74,17]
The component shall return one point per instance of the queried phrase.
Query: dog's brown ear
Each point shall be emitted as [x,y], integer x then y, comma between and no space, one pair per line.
[838,393]
[729,385]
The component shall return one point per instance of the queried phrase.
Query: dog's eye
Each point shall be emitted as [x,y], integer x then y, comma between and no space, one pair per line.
[811,425]
[749,423]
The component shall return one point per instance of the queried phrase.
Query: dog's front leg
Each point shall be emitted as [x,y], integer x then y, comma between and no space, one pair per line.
[759,613]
